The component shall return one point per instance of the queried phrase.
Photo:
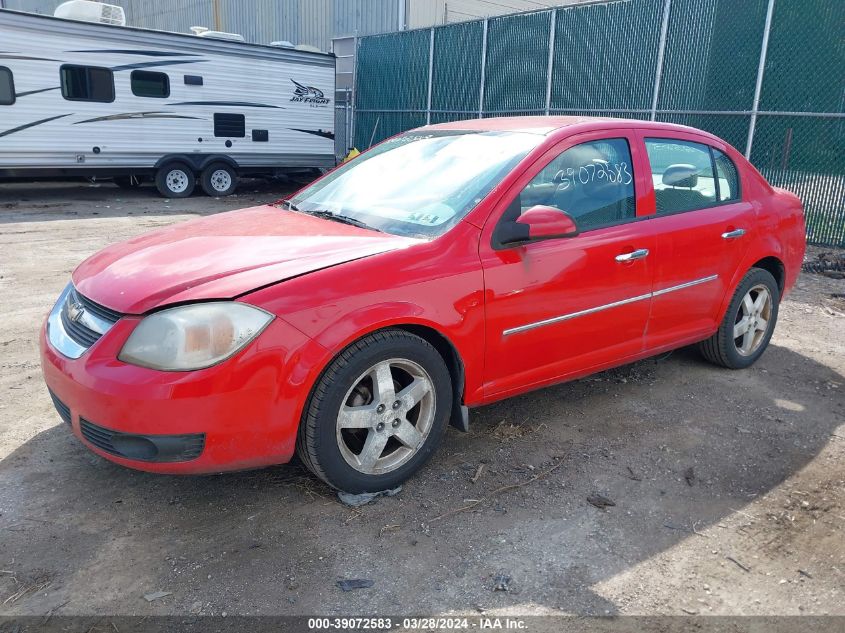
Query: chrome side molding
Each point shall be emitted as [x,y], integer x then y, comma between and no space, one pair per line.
[607,306]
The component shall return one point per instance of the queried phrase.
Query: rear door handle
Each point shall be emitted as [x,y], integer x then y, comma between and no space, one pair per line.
[732,235]
[637,254]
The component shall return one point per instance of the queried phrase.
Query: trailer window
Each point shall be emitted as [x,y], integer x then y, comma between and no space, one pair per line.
[87,83]
[7,86]
[148,84]
[233,125]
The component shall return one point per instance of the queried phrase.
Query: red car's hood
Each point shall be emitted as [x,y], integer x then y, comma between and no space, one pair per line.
[220,257]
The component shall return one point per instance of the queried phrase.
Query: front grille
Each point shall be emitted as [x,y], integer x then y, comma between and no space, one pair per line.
[77,329]
[78,332]
[147,448]
[106,314]
[61,407]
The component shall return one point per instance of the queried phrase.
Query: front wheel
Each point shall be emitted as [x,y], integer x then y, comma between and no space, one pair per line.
[749,322]
[377,413]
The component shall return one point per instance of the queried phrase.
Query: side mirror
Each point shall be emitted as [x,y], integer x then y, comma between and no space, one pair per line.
[539,223]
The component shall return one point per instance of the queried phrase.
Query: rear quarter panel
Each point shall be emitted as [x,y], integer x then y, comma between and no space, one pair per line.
[779,230]
[787,220]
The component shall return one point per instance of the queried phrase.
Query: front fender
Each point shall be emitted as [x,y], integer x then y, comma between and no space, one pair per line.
[436,285]
[344,331]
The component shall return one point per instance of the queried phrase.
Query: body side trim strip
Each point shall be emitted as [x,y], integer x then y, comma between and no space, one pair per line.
[607,306]
[688,284]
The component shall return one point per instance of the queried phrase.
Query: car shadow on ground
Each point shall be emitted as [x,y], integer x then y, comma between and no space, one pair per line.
[678,446]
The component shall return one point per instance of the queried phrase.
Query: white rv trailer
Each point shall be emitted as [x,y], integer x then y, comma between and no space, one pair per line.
[99,100]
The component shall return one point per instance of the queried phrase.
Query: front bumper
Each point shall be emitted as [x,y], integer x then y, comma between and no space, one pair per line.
[240,414]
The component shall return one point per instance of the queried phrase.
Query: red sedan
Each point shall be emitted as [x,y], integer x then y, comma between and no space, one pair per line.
[446,268]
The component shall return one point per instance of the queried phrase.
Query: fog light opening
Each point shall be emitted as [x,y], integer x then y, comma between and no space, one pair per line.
[134,447]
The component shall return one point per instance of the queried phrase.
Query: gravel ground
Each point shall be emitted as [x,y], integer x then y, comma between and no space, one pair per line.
[729,486]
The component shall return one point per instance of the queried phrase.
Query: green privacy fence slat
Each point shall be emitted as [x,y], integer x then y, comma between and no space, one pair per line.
[734,55]
[801,143]
[806,155]
[517,62]
[393,71]
[457,67]
[642,116]
[804,73]
[604,63]
[448,117]
[712,54]
[806,57]
[605,55]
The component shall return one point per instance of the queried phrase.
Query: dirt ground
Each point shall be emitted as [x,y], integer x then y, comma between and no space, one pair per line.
[729,486]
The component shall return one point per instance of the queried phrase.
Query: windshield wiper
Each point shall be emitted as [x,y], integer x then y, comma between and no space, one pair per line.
[290,204]
[343,219]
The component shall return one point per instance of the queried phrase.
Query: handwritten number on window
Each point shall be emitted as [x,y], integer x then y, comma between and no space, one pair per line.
[597,170]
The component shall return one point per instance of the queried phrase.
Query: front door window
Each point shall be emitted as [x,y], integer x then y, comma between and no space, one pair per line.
[592,182]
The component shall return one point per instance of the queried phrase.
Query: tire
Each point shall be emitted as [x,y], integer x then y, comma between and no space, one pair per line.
[348,394]
[741,339]
[219,179]
[128,182]
[175,180]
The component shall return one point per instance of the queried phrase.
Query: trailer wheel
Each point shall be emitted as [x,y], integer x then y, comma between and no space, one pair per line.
[128,182]
[175,180]
[219,179]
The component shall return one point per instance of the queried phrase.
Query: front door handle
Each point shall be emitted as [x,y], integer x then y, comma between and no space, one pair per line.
[732,235]
[637,254]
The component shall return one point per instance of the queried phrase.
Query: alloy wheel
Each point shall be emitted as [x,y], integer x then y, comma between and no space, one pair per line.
[752,320]
[386,416]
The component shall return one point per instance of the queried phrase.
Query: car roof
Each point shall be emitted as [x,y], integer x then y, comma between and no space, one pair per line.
[548,124]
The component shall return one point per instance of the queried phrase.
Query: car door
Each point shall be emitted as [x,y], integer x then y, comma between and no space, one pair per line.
[703,228]
[560,307]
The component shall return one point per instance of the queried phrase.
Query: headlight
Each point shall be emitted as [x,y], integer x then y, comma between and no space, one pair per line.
[193,336]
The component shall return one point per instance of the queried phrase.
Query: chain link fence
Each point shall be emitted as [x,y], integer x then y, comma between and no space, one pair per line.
[765,75]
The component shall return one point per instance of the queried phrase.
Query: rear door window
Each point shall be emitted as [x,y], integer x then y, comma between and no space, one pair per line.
[682,173]
[727,177]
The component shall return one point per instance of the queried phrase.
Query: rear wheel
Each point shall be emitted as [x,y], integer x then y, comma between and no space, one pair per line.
[175,180]
[377,414]
[219,179]
[749,322]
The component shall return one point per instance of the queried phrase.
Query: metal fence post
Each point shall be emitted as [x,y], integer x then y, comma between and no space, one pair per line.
[661,54]
[761,69]
[353,100]
[430,75]
[347,122]
[551,63]
[483,68]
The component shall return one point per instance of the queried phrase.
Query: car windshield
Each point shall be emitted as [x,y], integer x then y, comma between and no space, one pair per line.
[417,184]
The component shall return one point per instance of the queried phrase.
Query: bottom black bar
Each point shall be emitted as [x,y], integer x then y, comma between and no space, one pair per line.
[480,622]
